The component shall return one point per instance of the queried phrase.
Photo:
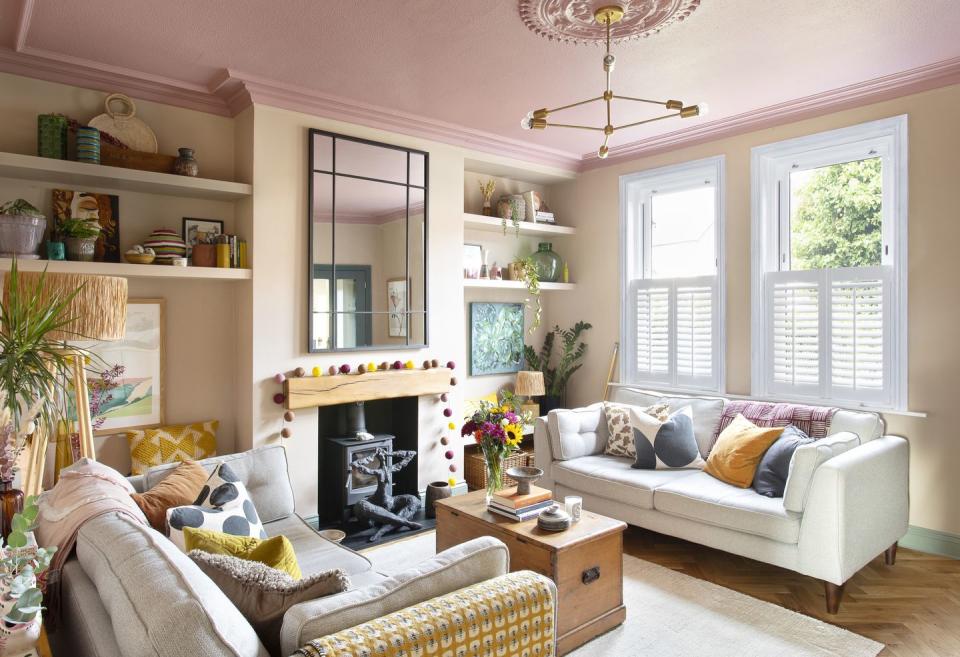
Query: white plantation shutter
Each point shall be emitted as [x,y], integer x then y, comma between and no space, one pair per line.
[675,329]
[858,342]
[828,333]
[651,340]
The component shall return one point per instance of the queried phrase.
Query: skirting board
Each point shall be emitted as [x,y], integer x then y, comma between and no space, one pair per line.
[459,489]
[932,541]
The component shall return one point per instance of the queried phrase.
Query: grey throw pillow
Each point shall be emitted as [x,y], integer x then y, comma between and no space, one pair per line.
[263,594]
[665,445]
[771,477]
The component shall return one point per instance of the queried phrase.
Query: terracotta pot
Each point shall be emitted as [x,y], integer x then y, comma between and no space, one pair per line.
[436,490]
[204,255]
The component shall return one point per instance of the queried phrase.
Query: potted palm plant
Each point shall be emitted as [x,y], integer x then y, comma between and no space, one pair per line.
[570,359]
[81,238]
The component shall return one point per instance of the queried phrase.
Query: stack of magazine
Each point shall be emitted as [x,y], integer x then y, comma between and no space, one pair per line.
[509,504]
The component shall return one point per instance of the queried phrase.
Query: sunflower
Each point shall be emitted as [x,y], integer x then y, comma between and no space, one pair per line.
[514,434]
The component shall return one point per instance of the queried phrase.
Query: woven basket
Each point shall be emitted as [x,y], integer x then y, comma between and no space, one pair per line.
[475,468]
[124,125]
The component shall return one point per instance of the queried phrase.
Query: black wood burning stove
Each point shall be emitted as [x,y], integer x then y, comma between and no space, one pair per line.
[343,486]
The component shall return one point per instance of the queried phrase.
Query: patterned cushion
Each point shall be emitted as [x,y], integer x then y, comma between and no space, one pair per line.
[223,506]
[172,443]
[263,594]
[665,445]
[620,441]
[509,615]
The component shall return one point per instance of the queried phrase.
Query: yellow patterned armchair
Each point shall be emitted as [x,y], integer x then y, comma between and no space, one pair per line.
[461,603]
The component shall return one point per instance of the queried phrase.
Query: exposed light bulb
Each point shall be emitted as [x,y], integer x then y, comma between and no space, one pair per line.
[526,122]
[602,153]
[702,109]
[530,114]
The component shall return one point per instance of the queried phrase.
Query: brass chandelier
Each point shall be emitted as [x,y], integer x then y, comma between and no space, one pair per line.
[537,119]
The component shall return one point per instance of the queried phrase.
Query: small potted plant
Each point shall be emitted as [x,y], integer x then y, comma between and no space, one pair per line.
[572,351]
[22,562]
[21,229]
[81,238]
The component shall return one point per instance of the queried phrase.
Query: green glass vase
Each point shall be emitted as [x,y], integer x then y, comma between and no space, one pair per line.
[547,262]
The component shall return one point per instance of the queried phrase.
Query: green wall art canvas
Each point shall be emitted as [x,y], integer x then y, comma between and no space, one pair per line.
[496,338]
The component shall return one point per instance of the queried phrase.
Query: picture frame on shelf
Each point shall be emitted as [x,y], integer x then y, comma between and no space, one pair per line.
[472,260]
[496,338]
[397,303]
[195,230]
[136,400]
[104,208]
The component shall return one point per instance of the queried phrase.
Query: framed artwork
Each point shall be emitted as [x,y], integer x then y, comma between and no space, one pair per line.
[136,398]
[200,230]
[472,260]
[496,338]
[105,208]
[397,306]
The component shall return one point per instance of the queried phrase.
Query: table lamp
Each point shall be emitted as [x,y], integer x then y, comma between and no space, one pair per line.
[529,384]
[98,312]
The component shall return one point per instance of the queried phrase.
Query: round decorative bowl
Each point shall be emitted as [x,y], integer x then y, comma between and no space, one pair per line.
[20,235]
[334,535]
[554,519]
[139,258]
[525,476]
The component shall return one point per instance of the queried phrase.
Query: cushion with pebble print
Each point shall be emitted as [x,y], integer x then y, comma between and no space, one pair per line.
[620,442]
[224,505]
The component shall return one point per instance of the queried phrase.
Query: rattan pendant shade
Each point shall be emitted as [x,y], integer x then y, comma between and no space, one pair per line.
[97,312]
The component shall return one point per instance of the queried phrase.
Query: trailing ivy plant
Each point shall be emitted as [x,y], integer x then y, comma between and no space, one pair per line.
[570,359]
[530,275]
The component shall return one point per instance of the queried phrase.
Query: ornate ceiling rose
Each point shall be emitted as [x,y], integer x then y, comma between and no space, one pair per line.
[573,21]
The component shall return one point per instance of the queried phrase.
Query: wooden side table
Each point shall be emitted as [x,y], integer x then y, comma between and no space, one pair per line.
[585,561]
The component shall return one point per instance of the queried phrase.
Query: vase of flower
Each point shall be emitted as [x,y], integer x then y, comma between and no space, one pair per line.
[498,430]
[486,191]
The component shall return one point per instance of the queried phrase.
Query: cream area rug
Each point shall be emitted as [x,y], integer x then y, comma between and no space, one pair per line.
[670,614]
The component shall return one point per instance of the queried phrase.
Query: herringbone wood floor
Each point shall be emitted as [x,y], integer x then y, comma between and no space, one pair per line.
[912,607]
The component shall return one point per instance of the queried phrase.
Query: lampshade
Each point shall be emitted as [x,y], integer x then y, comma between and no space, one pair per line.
[529,384]
[98,310]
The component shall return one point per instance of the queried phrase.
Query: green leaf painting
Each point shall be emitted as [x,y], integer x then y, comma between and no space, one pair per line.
[496,338]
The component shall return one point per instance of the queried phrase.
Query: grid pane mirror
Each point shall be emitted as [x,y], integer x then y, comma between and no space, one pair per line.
[368,244]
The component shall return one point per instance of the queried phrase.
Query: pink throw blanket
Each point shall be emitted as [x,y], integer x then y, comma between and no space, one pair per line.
[812,420]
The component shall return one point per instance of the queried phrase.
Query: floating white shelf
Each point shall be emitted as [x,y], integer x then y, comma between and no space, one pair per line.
[128,270]
[514,285]
[493,224]
[81,174]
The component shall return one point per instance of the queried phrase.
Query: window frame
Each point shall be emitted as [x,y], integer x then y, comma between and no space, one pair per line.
[771,165]
[635,253]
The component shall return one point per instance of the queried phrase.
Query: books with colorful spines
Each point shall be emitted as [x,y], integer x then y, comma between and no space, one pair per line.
[509,499]
[519,517]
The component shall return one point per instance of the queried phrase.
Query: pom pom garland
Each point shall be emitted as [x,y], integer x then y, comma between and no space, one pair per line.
[279,377]
[409,365]
[448,454]
[279,398]
[371,367]
[300,372]
[448,412]
[434,363]
[285,432]
[453,380]
[426,364]
[361,369]
[452,482]
[344,369]
[444,396]
[397,365]
[451,365]
[453,467]
[444,441]
[316,371]
[289,416]
[332,370]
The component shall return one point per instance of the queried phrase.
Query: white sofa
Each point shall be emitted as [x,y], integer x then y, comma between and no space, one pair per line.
[846,500]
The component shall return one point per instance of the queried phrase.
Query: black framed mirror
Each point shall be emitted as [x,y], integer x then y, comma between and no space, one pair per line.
[367,216]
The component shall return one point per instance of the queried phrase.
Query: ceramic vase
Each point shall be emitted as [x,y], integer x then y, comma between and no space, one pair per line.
[204,255]
[436,490]
[16,639]
[81,249]
[186,163]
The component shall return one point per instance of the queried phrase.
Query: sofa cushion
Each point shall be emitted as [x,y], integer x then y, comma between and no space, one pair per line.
[774,468]
[865,424]
[705,499]
[738,450]
[180,488]
[159,602]
[806,459]
[262,470]
[620,429]
[577,432]
[315,554]
[665,444]
[614,478]
[706,410]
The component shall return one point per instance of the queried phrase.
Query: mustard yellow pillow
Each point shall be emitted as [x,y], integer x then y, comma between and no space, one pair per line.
[738,450]
[171,444]
[276,552]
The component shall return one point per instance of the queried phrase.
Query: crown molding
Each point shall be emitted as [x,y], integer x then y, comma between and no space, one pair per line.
[932,76]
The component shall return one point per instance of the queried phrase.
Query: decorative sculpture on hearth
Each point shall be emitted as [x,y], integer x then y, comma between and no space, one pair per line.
[384,511]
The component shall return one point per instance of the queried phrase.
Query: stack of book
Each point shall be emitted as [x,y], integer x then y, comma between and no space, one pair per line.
[231,252]
[544,217]
[509,504]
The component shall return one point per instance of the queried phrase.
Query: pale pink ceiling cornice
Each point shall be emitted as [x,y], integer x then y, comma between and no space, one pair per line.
[877,90]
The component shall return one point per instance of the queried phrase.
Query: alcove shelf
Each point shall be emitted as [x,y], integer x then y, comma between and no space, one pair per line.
[514,285]
[128,270]
[82,174]
[494,225]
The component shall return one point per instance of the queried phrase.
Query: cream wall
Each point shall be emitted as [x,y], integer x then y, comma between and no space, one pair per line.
[934,276]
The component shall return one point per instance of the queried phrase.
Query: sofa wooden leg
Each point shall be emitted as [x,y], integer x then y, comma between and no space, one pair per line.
[834,594]
[890,555]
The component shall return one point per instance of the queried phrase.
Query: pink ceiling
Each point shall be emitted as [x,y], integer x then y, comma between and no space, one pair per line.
[474,64]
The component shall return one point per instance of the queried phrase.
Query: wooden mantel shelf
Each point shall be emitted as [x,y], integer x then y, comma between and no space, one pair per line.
[313,391]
